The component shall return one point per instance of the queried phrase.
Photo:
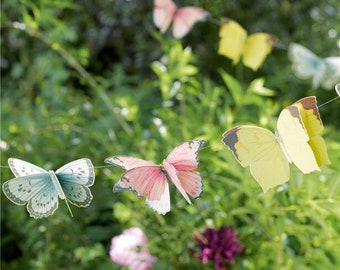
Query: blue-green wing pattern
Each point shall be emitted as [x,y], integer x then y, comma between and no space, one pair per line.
[36,190]
[75,178]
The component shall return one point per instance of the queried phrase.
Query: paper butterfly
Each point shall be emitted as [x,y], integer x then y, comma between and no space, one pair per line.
[297,140]
[40,188]
[234,43]
[324,72]
[148,179]
[337,88]
[183,19]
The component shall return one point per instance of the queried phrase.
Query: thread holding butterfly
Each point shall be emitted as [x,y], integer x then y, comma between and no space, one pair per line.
[337,90]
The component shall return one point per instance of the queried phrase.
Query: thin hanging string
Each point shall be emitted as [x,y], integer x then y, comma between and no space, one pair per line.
[329,101]
[103,166]
[4,166]
[95,167]
[337,90]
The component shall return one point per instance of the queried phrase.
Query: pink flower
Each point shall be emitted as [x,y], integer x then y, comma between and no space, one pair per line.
[130,249]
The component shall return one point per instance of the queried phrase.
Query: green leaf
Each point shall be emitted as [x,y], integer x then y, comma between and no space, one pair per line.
[233,85]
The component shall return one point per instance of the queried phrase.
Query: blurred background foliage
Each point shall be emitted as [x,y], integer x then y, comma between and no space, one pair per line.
[95,79]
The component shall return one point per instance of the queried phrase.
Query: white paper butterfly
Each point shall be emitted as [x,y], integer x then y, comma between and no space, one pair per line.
[40,188]
[323,71]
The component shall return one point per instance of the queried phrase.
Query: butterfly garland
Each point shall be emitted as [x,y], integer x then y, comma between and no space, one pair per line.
[297,140]
[40,189]
[148,179]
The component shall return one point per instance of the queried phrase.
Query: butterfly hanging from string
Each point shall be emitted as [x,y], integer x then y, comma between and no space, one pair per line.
[324,72]
[297,140]
[40,189]
[145,178]
[235,44]
[183,19]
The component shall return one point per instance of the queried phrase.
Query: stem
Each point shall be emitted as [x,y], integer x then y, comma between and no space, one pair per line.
[75,65]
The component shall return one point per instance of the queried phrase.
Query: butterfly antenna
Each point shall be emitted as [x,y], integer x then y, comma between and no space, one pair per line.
[68,206]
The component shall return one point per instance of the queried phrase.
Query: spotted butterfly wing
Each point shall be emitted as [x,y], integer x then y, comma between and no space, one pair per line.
[33,186]
[22,168]
[75,179]
[40,189]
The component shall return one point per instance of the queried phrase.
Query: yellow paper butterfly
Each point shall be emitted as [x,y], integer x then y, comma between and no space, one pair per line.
[234,43]
[297,139]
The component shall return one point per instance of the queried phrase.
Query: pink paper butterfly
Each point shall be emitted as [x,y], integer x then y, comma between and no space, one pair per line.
[183,19]
[148,179]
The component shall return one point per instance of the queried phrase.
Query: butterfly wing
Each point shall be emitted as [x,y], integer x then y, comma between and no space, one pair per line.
[161,205]
[332,73]
[293,134]
[22,168]
[75,178]
[36,190]
[163,13]
[180,164]
[256,49]
[337,88]
[309,112]
[184,157]
[232,40]
[127,162]
[185,18]
[149,181]
[306,64]
[258,148]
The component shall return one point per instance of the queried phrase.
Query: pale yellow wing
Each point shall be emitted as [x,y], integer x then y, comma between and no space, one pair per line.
[258,148]
[256,49]
[294,139]
[309,112]
[232,40]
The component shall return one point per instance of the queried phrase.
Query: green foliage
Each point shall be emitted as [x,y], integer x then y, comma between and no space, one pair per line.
[71,90]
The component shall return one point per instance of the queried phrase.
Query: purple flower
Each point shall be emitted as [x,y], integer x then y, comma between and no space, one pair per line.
[219,246]
[130,249]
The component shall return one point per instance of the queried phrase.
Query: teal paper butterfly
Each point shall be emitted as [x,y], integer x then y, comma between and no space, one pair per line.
[40,188]
[323,71]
